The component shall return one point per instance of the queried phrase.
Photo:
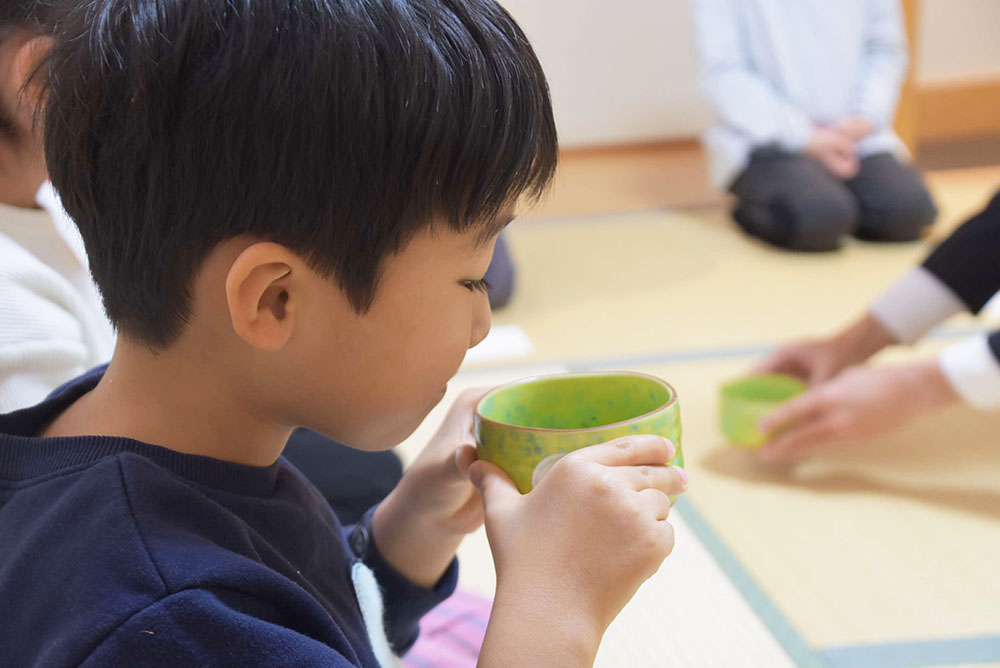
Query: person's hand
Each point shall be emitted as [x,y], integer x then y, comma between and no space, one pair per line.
[420,524]
[835,151]
[854,128]
[575,549]
[821,359]
[860,403]
[440,470]
[812,361]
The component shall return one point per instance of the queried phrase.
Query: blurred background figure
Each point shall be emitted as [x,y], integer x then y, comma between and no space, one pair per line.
[805,93]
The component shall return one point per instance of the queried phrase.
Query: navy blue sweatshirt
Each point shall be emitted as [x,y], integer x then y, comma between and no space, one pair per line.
[115,552]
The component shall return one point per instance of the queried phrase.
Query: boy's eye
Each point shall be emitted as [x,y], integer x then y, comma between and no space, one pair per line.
[482,285]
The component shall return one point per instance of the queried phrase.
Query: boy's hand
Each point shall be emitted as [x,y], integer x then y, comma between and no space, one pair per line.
[571,553]
[860,403]
[835,151]
[420,524]
[440,470]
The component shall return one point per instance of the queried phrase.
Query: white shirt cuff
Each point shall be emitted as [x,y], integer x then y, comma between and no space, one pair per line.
[914,304]
[973,371]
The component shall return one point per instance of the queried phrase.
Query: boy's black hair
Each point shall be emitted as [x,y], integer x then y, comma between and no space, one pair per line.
[337,128]
[34,14]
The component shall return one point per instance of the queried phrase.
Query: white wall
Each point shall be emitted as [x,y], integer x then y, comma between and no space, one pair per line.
[619,70]
[625,71]
[960,39]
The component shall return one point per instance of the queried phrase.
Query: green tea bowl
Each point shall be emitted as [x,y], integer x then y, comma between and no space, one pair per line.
[537,420]
[744,401]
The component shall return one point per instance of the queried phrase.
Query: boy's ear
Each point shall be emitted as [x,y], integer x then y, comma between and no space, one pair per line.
[262,303]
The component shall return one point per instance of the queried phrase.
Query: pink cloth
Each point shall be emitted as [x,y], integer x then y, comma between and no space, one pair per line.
[452,633]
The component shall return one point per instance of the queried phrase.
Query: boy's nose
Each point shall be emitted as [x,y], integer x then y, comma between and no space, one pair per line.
[481,322]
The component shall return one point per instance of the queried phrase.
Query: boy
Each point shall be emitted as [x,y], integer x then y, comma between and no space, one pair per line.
[288,206]
[52,324]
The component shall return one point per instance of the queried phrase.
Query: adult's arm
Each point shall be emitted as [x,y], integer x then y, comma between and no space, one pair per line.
[961,274]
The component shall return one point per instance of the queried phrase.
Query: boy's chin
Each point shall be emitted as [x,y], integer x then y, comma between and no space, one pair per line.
[385,433]
[400,434]
[405,429]
[385,440]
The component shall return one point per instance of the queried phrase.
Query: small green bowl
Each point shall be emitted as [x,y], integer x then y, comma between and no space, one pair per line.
[743,402]
[520,424]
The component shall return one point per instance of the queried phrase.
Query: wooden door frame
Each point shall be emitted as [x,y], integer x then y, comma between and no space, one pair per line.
[906,111]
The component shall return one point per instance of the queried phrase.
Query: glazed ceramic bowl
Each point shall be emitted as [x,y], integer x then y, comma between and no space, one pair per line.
[525,426]
[743,402]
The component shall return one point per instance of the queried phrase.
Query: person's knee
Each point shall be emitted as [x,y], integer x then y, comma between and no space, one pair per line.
[912,217]
[821,220]
[810,223]
[903,216]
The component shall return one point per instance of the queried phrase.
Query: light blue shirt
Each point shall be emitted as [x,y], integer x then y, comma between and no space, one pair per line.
[776,69]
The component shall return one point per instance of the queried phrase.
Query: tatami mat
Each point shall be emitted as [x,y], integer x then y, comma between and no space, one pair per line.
[881,555]
[894,540]
[646,282]
[690,615]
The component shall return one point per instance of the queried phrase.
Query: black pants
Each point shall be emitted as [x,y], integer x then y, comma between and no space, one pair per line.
[790,200]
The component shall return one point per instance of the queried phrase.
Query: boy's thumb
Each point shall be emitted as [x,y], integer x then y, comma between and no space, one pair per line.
[495,486]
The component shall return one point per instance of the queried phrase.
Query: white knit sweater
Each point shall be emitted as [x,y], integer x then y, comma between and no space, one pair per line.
[52,323]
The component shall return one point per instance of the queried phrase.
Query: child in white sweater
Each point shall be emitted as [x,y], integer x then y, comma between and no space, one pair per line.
[52,324]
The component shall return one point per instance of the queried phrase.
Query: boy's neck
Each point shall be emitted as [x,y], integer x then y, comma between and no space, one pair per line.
[175,401]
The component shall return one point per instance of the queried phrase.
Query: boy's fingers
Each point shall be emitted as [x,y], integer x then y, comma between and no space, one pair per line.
[468,399]
[495,486]
[465,456]
[791,412]
[629,451]
[665,479]
[459,423]
[466,403]
[666,537]
[656,502]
